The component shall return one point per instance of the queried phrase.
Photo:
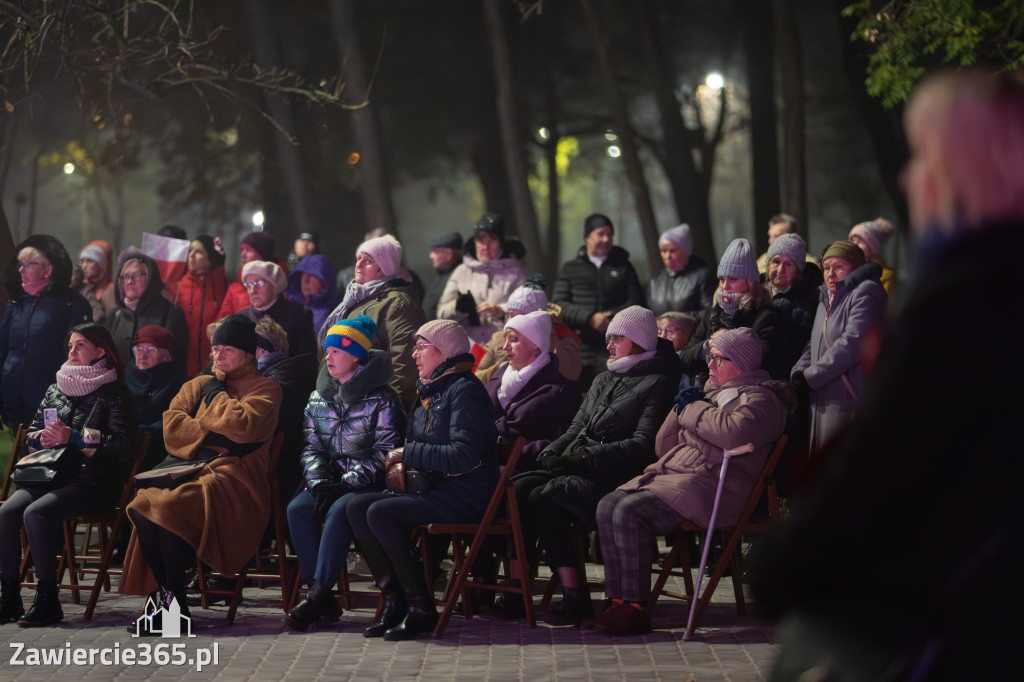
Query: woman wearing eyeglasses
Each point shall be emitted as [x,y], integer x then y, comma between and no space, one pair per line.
[153,380]
[140,303]
[610,440]
[41,311]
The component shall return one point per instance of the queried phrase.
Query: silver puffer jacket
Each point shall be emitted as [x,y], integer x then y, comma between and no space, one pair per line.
[350,427]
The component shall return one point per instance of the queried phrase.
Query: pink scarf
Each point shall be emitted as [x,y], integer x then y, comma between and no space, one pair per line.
[34,288]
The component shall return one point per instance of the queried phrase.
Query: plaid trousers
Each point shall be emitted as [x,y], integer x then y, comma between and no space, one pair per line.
[628,523]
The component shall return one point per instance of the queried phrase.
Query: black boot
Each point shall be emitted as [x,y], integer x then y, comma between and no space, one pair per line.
[574,607]
[422,617]
[11,608]
[45,609]
[394,601]
[316,606]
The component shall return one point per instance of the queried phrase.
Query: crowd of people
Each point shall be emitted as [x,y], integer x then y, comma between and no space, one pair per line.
[392,397]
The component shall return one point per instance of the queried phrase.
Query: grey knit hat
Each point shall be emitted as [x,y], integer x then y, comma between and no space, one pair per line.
[738,261]
[792,245]
[527,299]
[680,236]
[741,346]
[448,336]
[875,232]
[638,325]
[535,326]
[385,251]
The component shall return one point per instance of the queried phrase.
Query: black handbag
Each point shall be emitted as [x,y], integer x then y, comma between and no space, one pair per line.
[49,467]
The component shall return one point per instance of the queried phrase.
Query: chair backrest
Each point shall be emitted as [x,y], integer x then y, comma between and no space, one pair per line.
[764,481]
[19,442]
[508,455]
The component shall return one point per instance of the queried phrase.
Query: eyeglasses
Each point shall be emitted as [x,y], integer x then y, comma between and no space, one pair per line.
[716,360]
[420,347]
[26,264]
[613,339]
[259,283]
[132,276]
[145,350]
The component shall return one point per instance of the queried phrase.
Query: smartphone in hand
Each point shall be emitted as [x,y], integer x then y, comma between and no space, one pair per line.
[49,416]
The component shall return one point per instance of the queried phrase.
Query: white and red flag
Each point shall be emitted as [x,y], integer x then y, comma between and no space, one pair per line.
[170,255]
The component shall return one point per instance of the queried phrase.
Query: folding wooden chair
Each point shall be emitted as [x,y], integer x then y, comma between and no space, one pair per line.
[76,564]
[20,434]
[730,553]
[243,574]
[490,524]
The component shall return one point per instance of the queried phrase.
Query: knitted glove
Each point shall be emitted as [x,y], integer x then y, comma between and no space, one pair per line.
[212,388]
[325,495]
[688,395]
[799,381]
[465,303]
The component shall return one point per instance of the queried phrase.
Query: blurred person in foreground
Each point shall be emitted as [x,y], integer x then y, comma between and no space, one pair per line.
[926,479]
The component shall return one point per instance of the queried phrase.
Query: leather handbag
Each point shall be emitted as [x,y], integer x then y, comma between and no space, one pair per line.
[402,478]
[49,467]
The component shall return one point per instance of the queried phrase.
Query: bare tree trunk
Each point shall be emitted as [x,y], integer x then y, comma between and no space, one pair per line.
[372,169]
[763,142]
[688,188]
[791,71]
[525,215]
[263,41]
[627,141]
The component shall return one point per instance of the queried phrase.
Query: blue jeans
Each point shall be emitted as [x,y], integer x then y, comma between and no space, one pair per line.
[321,556]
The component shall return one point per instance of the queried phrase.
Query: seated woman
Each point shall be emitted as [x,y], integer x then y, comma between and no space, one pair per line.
[852,305]
[352,420]
[610,440]
[452,434]
[742,405]
[229,419]
[94,415]
[153,380]
[565,343]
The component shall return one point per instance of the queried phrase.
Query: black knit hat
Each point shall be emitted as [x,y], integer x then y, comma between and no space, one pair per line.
[214,249]
[493,223]
[594,221]
[262,243]
[448,240]
[238,331]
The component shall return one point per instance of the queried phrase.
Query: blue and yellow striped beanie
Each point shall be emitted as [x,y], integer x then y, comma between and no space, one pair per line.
[352,336]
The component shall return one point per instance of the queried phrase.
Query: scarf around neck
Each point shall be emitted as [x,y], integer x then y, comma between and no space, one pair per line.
[355,292]
[34,288]
[623,365]
[79,380]
[513,380]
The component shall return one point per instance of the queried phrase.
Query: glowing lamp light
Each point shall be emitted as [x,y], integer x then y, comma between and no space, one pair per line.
[614,152]
[353,158]
[69,168]
[257,218]
[714,81]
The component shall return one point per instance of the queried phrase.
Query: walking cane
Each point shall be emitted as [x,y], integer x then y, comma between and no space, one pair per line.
[743,449]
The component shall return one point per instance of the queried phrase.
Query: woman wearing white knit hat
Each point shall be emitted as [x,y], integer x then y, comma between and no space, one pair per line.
[378,291]
[610,440]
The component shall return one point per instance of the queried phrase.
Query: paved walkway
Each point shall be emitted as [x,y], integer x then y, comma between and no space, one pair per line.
[258,647]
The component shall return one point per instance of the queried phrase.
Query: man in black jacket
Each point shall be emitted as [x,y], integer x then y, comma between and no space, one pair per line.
[594,286]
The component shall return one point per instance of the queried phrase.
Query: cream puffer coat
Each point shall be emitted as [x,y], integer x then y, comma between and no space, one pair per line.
[490,281]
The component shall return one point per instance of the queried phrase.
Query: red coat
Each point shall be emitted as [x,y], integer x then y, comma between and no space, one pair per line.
[201,298]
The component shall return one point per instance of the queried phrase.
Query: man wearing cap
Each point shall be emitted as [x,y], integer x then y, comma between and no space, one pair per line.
[140,302]
[478,288]
[778,225]
[445,255]
[153,379]
[306,244]
[220,516]
[265,283]
[742,404]
[378,291]
[92,279]
[594,286]
[687,284]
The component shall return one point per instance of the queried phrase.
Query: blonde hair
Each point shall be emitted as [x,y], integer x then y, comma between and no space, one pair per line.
[969,128]
[269,329]
[33,252]
[755,296]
